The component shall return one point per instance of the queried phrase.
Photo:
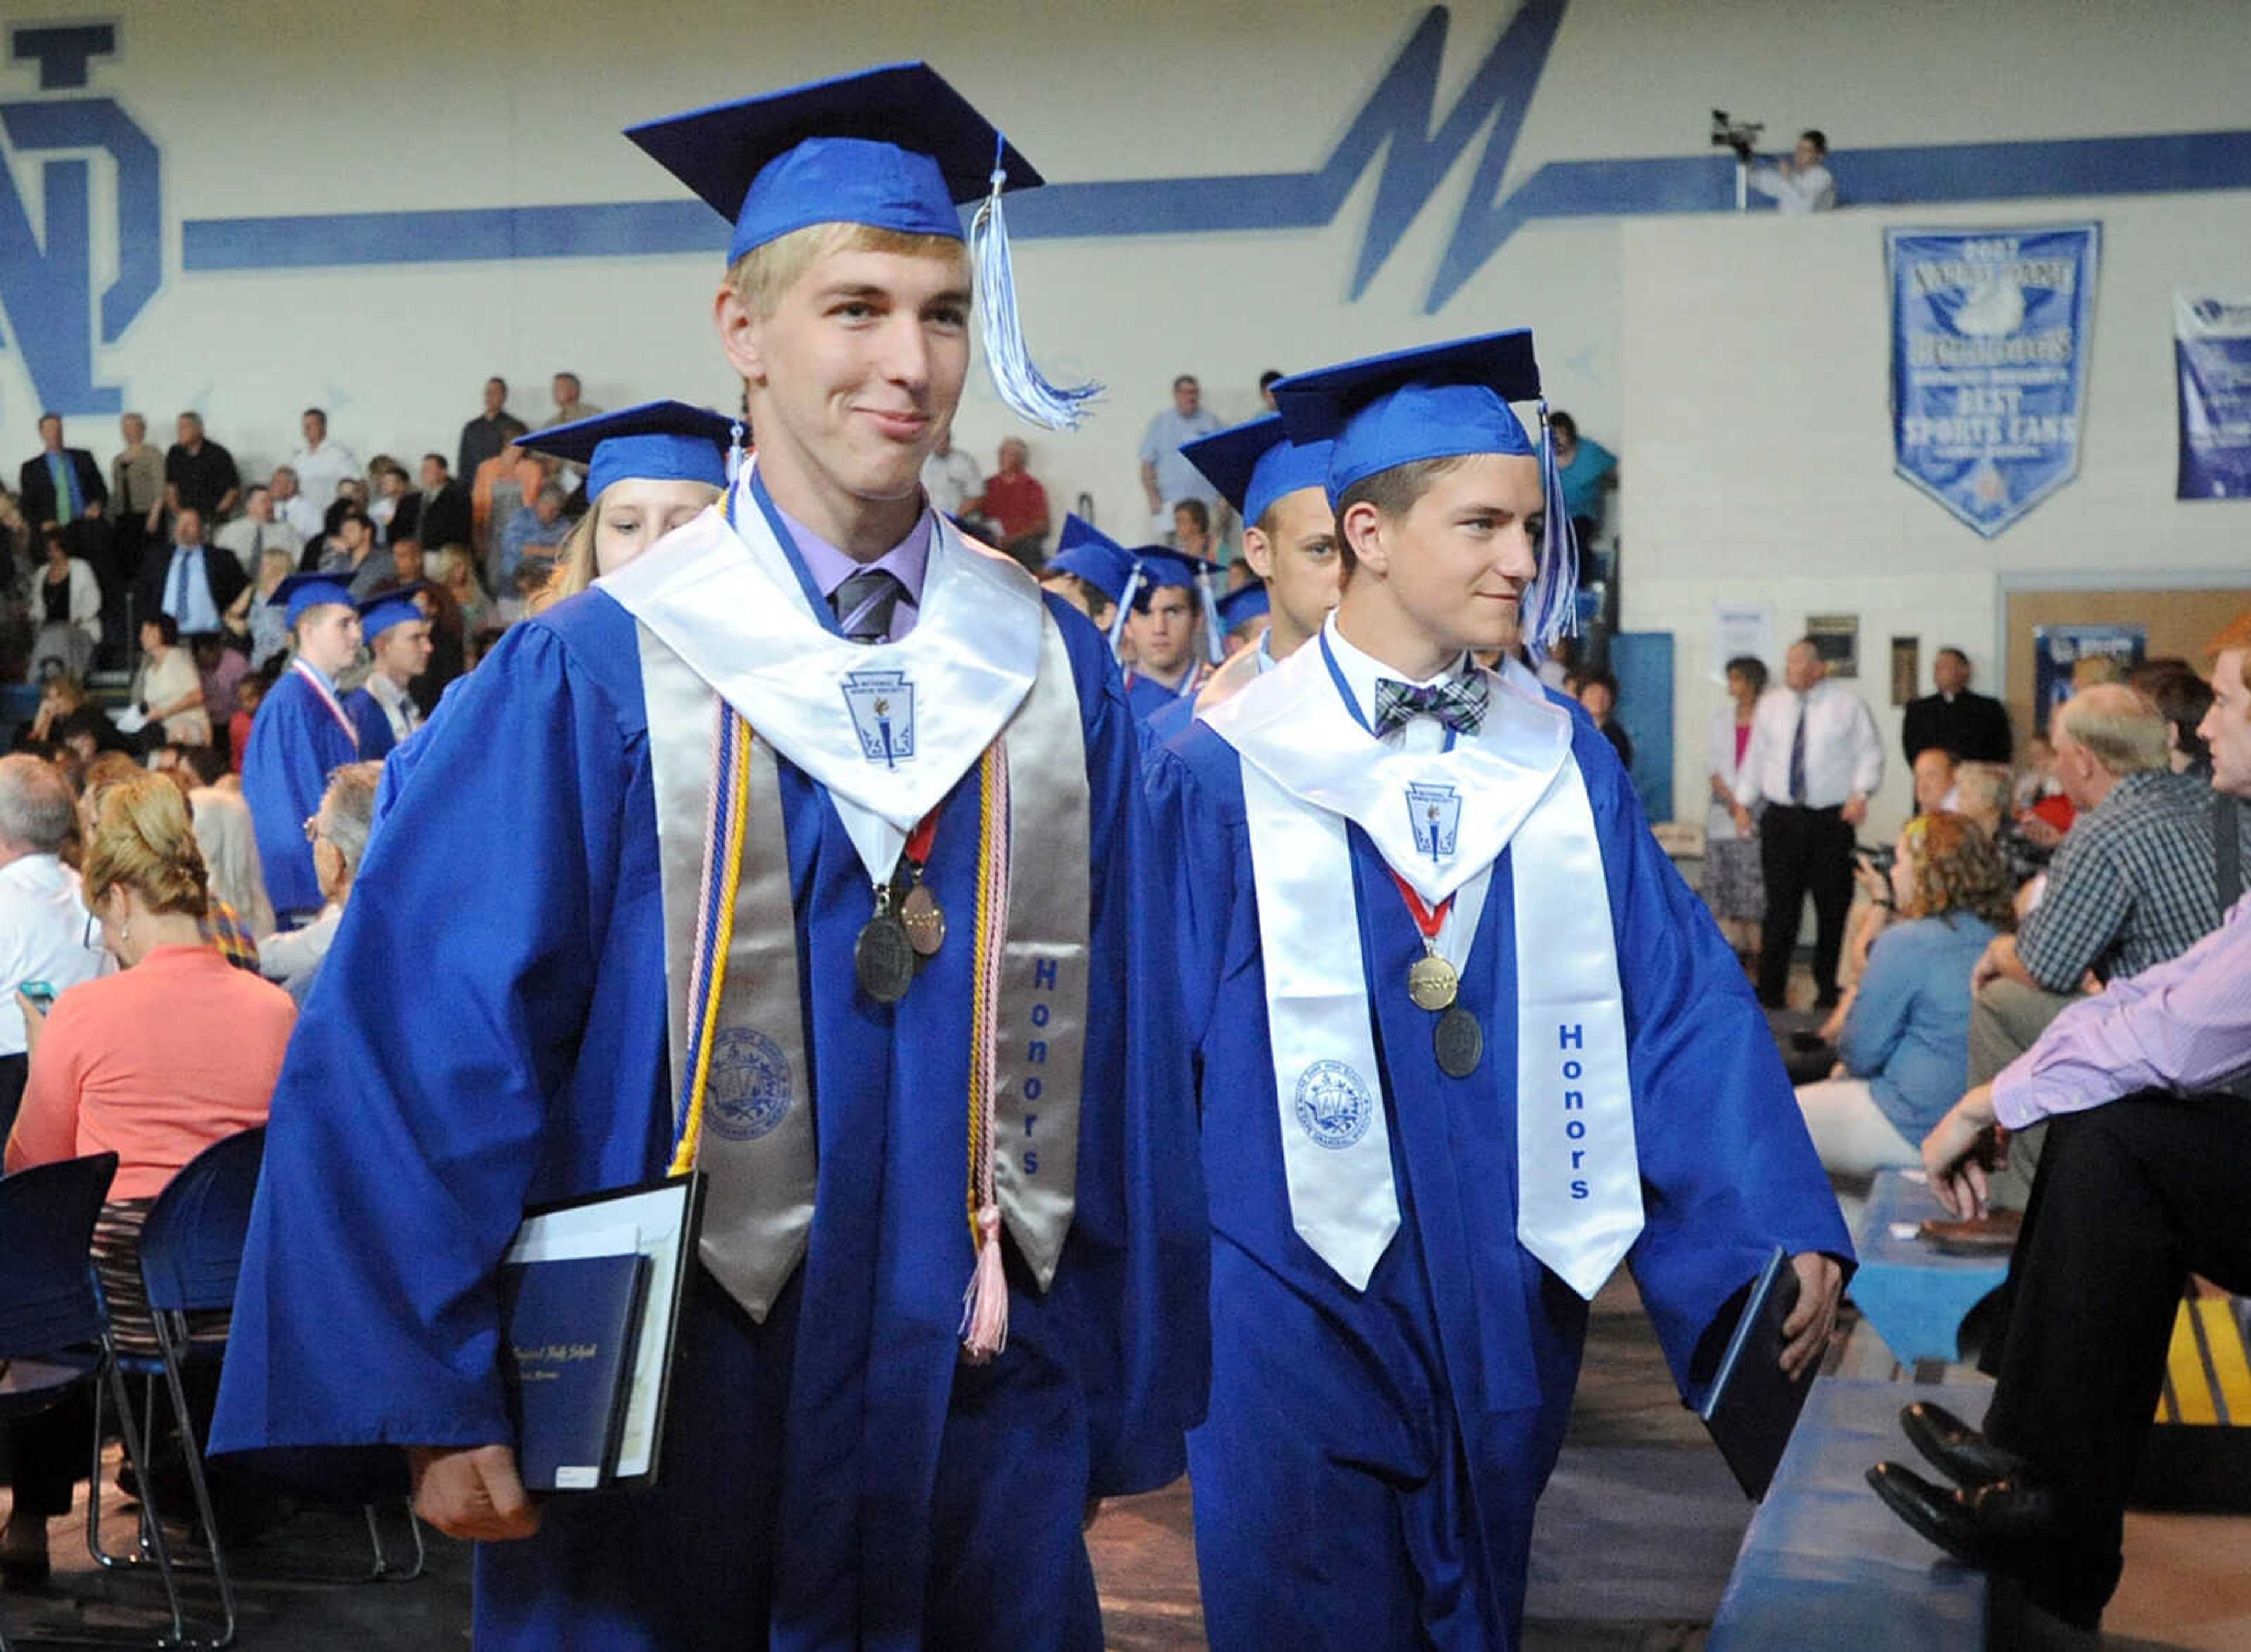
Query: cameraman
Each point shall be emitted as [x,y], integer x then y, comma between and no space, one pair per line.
[1801,184]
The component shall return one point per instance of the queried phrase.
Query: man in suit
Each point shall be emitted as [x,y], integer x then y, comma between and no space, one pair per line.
[59,484]
[438,515]
[195,584]
[1975,727]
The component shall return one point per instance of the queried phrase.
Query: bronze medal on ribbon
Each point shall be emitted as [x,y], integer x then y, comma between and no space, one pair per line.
[1460,1043]
[924,921]
[1432,983]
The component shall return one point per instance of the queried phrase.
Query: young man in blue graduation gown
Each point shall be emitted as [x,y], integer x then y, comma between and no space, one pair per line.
[1280,489]
[1466,1041]
[850,1460]
[1166,615]
[301,735]
[396,633]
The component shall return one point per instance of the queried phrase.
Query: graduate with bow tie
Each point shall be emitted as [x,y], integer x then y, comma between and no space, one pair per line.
[806,849]
[1467,1040]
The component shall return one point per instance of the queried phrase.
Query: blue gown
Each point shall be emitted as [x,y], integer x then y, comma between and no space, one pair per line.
[1370,1464]
[295,743]
[1146,697]
[376,740]
[490,1030]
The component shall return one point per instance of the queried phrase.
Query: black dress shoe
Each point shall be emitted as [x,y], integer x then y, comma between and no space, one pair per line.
[1992,1526]
[1954,1449]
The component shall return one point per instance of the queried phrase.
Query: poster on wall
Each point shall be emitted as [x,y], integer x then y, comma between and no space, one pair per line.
[2059,652]
[1836,638]
[1991,333]
[2212,355]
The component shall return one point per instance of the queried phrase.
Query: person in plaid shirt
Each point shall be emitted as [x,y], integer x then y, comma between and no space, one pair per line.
[2135,884]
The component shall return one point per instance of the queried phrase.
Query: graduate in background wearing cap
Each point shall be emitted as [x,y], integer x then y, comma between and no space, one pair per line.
[396,633]
[1244,616]
[1168,620]
[1280,487]
[301,734]
[953,1276]
[1089,570]
[1488,1045]
[649,468]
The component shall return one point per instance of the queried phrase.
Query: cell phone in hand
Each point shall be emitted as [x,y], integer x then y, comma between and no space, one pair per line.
[40,993]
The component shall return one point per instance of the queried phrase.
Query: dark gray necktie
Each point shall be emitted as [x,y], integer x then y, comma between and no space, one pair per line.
[863,604]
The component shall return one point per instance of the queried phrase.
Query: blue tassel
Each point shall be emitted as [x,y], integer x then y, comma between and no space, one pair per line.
[1551,606]
[1215,641]
[1124,608]
[1015,377]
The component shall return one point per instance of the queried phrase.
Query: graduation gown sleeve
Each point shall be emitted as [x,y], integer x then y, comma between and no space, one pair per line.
[294,744]
[444,1074]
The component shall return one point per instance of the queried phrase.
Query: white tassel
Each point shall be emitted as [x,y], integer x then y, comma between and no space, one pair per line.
[1551,606]
[1124,608]
[1018,381]
[734,452]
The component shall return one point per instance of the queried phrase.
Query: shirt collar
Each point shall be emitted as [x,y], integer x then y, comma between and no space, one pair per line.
[33,871]
[906,561]
[1361,670]
[1266,660]
[384,690]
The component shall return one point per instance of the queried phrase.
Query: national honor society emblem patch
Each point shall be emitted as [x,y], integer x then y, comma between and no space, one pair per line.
[1334,1105]
[883,707]
[748,1092]
[1436,814]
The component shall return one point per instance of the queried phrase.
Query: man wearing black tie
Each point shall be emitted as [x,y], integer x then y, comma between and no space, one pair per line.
[195,584]
[1815,758]
[58,483]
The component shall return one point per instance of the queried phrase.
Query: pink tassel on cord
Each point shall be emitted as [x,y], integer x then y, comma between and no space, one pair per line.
[985,1305]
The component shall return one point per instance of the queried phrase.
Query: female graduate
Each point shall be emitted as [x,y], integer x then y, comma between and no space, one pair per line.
[649,469]
[1467,1041]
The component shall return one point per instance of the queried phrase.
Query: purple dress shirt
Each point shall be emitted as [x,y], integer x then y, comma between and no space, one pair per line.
[2182,1025]
[906,561]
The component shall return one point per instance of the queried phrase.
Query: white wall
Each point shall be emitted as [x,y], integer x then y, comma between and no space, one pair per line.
[1757,354]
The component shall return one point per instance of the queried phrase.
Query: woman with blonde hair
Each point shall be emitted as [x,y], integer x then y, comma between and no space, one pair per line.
[649,468]
[154,1064]
[1905,1043]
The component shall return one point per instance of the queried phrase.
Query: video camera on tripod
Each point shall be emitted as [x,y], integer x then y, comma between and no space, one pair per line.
[1742,137]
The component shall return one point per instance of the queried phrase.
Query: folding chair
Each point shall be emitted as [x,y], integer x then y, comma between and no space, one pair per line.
[54,1328]
[191,1253]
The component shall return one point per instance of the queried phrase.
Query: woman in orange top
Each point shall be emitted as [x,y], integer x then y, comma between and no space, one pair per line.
[155,1064]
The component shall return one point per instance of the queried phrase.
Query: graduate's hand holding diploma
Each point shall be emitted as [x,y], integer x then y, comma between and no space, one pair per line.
[472,1492]
[1806,1331]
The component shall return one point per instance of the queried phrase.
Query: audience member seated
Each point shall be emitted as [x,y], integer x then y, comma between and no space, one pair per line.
[68,609]
[247,695]
[951,477]
[43,923]
[260,627]
[294,511]
[1733,887]
[1933,770]
[338,832]
[533,529]
[221,669]
[2142,1182]
[1597,691]
[68,721]
[2133,885]
[257,530]
[1983,793]
[155,1064]
[193,583]
[1905,1035]
[2182,697]
[229,845]
[1588,471]
[353,558]
[168,690]
[1017,505]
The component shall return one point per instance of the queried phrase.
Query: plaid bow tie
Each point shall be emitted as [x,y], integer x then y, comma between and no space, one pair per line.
[1459,705]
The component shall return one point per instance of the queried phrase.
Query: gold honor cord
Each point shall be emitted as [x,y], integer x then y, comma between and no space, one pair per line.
[731,772]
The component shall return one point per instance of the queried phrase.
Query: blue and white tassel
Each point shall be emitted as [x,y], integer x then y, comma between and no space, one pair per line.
[1215,639]
[1018,381]
[1551,606]
[1124,607]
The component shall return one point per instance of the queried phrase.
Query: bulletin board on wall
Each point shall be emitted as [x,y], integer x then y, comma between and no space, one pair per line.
[2178,622]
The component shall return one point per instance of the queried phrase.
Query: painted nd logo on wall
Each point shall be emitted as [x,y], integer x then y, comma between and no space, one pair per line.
[54,317]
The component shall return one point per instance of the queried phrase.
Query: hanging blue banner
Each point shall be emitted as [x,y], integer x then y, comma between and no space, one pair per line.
[1990,338]
[2211,353]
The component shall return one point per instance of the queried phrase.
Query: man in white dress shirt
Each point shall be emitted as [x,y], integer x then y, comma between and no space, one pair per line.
[1801,184]
[321,465]
[42,919]
[1816,759]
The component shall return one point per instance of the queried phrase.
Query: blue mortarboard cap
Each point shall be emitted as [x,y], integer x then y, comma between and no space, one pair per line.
[1084,550]
[1161,565]
[894,148]
[1156,566]
[654,442]
[302,591]
[386,608]
[1439,402]
[1255,464]
[1240,607]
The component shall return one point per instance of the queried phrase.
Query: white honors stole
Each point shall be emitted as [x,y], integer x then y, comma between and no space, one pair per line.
[725,621]
[1439,820]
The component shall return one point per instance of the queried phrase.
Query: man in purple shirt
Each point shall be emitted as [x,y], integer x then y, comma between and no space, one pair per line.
[2143,1086]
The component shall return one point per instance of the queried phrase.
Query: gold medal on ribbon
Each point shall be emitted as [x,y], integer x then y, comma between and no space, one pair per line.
[1432,983]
